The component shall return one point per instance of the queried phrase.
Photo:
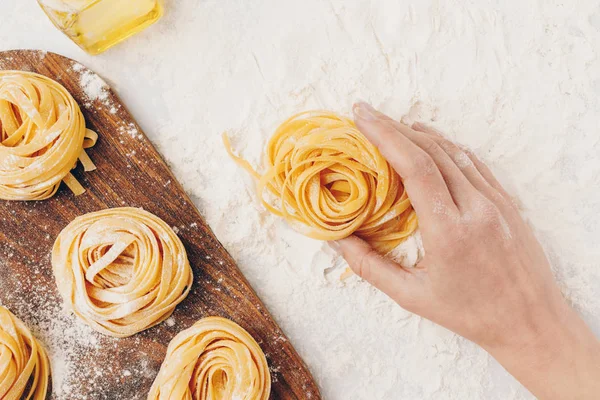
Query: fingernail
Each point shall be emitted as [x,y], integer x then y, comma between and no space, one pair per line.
[335,246]
[364,111]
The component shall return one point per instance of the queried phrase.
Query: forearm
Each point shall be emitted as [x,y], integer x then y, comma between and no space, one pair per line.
[563,363]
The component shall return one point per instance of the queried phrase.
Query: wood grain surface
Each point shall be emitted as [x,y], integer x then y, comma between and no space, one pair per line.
[132,173]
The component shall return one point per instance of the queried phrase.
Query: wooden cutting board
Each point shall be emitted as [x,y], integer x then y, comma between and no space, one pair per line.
[132,173]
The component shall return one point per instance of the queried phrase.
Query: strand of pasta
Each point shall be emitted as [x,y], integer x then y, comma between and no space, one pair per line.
[42,135]
[329,182]
[24,364]
[121,270]
[215,359]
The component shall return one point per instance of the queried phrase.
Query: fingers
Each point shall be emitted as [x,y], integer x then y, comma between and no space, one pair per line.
[381,272]
[459,157]
[488,175]
[459,186]
[422,178]
[478,174]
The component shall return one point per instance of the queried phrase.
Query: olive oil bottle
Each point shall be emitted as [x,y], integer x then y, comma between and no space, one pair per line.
[96,25]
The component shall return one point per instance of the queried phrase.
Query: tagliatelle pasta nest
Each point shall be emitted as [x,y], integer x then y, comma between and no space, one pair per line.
[42,135]
[24,364]
[121,270]
[215,359]
[330,182]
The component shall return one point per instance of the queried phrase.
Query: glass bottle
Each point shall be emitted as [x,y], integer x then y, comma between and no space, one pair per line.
[96,25]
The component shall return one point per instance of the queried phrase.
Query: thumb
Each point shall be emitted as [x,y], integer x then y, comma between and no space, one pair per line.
[381,272]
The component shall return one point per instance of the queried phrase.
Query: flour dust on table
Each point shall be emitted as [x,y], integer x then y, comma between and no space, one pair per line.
[518,82]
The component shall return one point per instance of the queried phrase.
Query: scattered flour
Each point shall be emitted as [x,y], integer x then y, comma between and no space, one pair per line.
[492,77]
[518,82]
[71,343]
[68,341]
[131,130]
[94,87]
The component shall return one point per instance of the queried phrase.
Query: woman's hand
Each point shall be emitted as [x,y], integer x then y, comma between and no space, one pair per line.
[484,274]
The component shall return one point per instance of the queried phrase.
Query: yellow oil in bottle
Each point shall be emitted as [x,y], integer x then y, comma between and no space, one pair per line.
[96,25]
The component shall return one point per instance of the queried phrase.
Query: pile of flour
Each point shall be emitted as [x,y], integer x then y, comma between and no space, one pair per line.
[518,82]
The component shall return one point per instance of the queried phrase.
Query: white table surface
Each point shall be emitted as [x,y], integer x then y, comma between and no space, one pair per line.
[518,81]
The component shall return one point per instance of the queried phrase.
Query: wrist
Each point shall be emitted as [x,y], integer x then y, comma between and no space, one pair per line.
[541,333]
[534,328]
[559,349]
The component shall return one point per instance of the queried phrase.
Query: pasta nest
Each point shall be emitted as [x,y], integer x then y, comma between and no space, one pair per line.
[121,270]
[42,135]
[215,359]
[24,364]
[329,182]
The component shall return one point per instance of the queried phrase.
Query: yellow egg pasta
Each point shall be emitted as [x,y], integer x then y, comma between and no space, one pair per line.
[42,135]
[215,359]
[24,364]
[121,270]
[329,182]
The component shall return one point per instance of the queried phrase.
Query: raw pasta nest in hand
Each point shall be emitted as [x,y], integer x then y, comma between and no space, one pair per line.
[24,364]
[330,182]
[42,135]
[121,270]
[215,359]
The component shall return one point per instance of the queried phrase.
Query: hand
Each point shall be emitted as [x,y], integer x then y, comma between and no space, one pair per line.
[484,274]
